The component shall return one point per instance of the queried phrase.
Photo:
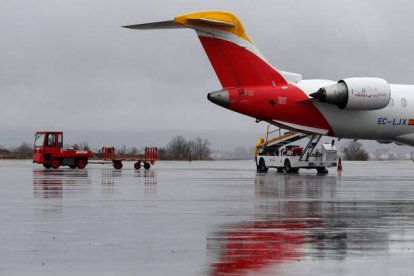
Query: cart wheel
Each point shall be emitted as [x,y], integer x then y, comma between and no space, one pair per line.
[81,164]
[46,165]
[72,166]
[118,165]
[137,165]
[55,164]
[147,166]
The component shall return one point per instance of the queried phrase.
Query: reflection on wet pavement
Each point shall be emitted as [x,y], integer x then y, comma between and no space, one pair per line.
[216,218]
[299,218]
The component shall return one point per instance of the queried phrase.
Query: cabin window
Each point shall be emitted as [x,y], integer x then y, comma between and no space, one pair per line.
[60,140]
[391,103]
[51,142]
[40,139]
[404,102]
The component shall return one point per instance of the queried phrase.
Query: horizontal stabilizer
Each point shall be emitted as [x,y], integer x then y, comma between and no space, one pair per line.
[170,24]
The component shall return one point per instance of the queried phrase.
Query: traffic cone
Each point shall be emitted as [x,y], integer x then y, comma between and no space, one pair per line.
[339,168]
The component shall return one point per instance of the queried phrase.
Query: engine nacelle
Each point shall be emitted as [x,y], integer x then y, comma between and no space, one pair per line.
[356,94]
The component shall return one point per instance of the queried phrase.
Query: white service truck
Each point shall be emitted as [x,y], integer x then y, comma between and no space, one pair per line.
[275,153]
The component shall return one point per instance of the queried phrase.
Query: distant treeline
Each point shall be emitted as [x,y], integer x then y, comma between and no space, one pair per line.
[179,148]
[24,151]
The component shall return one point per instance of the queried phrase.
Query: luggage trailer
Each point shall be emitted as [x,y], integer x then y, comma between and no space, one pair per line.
[108,157]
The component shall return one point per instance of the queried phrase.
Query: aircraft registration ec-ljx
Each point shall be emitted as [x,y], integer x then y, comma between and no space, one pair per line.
[354,108]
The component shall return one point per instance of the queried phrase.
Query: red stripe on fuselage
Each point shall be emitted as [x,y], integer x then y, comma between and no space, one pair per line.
[236,66]
[278,103]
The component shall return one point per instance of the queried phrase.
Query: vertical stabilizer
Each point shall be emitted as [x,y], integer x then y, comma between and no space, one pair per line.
[235,59]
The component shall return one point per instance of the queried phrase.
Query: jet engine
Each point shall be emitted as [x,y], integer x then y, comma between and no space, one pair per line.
[356,94]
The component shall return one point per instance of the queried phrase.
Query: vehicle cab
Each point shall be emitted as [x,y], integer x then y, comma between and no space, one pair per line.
[48,151]
[47,144]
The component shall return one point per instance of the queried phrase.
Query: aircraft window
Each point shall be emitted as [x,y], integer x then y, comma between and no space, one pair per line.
[391,102]
[403,102]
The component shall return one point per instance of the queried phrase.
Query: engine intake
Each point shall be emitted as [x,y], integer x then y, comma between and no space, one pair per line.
[356,94]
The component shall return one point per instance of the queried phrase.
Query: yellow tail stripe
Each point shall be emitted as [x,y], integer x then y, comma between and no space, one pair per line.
[219,20]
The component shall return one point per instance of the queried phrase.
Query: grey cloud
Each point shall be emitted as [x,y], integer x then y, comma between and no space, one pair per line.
[69,65]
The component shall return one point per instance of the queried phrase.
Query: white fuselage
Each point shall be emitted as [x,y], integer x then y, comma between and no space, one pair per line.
[387,124]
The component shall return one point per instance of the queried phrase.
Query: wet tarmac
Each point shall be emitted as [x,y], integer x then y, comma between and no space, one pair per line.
[206,218]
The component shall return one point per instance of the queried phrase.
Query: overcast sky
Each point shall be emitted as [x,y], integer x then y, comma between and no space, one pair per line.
[69,65]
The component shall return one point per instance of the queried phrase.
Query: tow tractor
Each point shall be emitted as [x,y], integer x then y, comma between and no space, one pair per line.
[278,152]
[48,150]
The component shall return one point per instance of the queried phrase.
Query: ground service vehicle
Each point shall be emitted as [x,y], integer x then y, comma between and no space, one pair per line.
[108,156]
[276,153]
[48,150]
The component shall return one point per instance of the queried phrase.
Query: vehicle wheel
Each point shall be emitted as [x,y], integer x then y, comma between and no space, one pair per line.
[81,164]
[147,166]
[322,170]
[46,165]
[288,166]
[55,163]
[280,170]
[72,166]
[137,165]
[118,165]
[262,166]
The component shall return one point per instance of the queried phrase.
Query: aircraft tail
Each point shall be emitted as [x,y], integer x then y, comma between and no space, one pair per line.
[235,59]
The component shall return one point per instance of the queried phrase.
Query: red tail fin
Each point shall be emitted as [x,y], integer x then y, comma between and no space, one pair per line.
[236,61]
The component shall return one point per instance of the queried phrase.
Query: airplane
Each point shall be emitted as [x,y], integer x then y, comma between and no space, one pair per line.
[352,108]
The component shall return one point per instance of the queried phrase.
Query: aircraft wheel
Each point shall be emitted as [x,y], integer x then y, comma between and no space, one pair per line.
[118,165]
[262,166]
[137,165]
[55,164]
[147,165]
[81,164]
[46,165]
